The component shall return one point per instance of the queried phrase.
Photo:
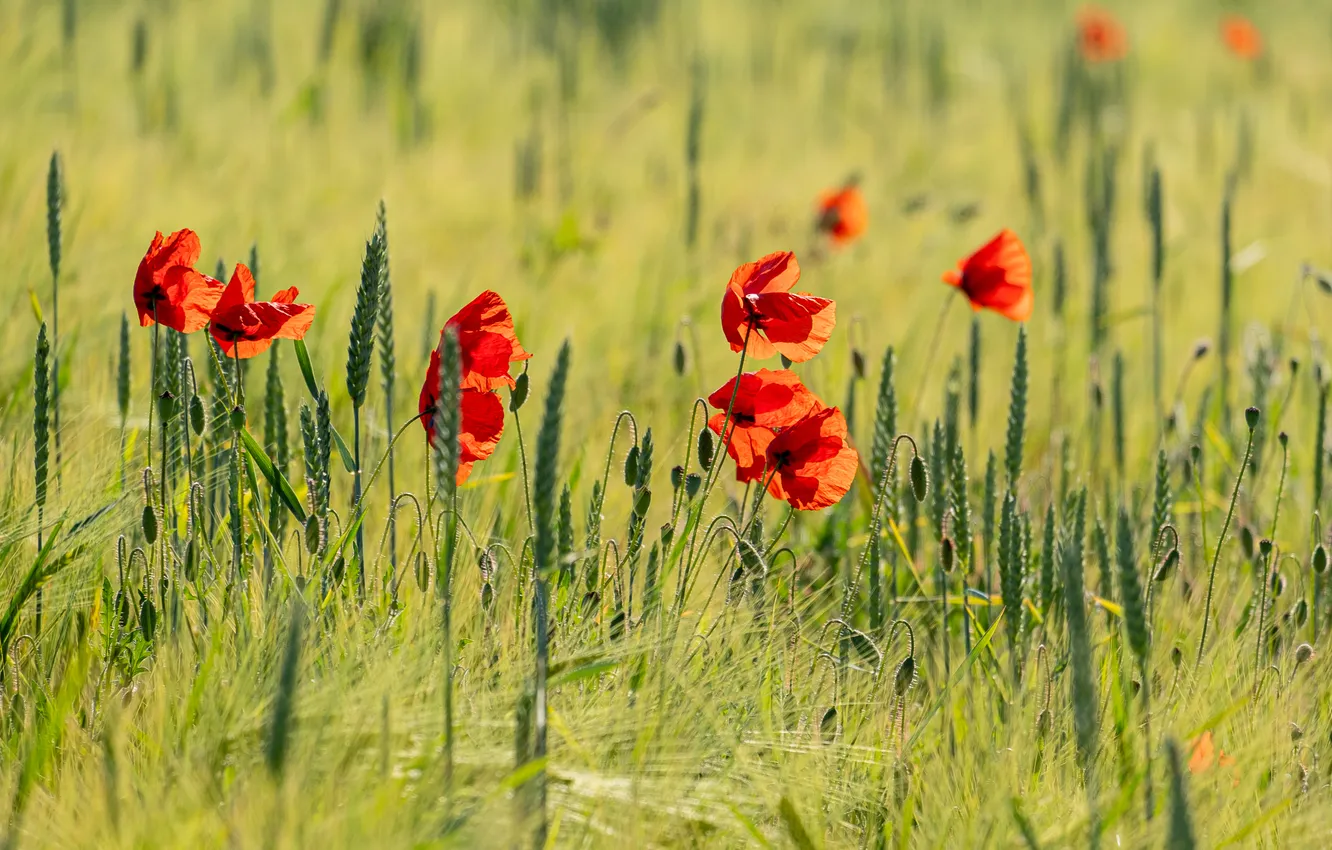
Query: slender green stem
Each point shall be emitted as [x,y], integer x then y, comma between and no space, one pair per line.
[1220,543]
[356,501]
[935,339]
[522,459]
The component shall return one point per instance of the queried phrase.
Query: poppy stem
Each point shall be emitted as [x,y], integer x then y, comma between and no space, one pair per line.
[152,386]
[728,431]
[933,349]
[238,533]
[522,458]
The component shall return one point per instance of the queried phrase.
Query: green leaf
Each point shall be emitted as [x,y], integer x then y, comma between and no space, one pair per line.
[348,461]
[923,723]
[795,828]
[569,674]
[275,478]
[307,371]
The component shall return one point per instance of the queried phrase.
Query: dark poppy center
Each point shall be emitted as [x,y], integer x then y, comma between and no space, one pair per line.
[157,293]
[781,459]
[231,334]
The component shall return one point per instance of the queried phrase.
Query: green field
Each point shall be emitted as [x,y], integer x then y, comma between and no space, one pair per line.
[1091,613]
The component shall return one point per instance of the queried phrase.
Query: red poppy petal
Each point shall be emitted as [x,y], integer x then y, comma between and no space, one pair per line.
[776,272]
[796,325]
[482,425]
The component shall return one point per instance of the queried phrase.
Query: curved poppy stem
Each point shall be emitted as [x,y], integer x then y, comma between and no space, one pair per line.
[933,349]
[728,431]
[522,458]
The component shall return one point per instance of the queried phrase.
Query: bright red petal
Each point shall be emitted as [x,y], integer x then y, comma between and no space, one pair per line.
[774,399]
[482,425]
[776,272]
[815,465]
[748,448]
[488,342]
[797,326]
[998,276]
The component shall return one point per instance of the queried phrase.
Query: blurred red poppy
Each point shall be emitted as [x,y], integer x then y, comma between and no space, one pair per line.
[997,276]
[842,214]
[244,327]
[166,283]
[488,342]
[1242,37]
[759,307]
[482,419]
[1101,38]
[765,402]
[811,464]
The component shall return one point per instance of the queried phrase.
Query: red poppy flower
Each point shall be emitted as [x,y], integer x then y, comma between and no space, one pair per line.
[811,464]
[488,342]
[759,306]
[248,326]
[1242,37]
[1101,38]
[482,419]
[997,276]
[766,402]
[166,283]
[843,215]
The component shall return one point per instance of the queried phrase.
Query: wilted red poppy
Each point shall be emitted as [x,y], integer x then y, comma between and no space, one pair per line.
[842,214]
[244,327]
[766,402]
[1101,38]
[997,276]
[759,306]
[167,284]
[488,342]
[811,464]
[1242,37]
[482,419]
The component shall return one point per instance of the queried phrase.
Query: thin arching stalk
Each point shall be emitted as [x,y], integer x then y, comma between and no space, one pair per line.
[1221,541]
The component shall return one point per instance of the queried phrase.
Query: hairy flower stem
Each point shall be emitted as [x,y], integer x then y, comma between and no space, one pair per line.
[238,533]
[935,339]
[728,432]
[522,460]
[1220,542]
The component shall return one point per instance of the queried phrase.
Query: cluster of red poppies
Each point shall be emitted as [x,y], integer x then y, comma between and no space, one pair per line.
[170,291]
[778,432]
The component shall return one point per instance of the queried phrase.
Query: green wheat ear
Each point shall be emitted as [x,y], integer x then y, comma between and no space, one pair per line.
[448,416]
[1180,834]
[546,475]
[1130,590]
[693,143]
[280,722]
[384,320]
[960,507]
[123,371]
[1161,499]
[885,415]
[1017,412]
[1081,684]
[41,411]
[1010,580]
[1047,577]
[973,373]
[361,343]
